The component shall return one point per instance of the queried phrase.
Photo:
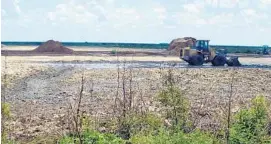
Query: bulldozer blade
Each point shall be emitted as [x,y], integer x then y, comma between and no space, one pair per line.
[233,61]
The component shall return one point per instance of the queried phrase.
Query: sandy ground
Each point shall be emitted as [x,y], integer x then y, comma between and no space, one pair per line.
[243,60]
[81,48]
[40,94]
[105,57]
[90,58]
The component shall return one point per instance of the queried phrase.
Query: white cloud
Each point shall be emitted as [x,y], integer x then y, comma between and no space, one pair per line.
[213,3]
[221,19]
[11,8]
[159,9]
[250,12]
[17,6]
[195,7]
[254,15]
[160,12]
[136,19]
[264,5]
[242,4]
[107,13]
[100,8]
[52,16]
[110,1]
[170,27]
[3,13]
[266,2]
[186,18]
[198,20]
[229,4]
[201,21]
[72,12]
[192,13]
[255,19]
[123,17]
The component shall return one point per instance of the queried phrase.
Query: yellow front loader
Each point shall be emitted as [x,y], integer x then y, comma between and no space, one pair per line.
[202,53]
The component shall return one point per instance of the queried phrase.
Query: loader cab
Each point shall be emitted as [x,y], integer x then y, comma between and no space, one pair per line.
[202,45]
[222,51]
[265,50]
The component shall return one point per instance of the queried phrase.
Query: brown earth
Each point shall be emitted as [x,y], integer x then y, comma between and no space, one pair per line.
[40,95]
[56,49]
[102,52]
[177,44]
[53,46]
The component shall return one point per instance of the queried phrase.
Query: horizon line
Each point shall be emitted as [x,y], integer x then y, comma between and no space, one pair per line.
[124,43]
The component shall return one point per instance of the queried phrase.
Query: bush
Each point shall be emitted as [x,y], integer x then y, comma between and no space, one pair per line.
[250,124]
[248,51]
[138,123]
[170,137]
[93,137]
[176,104]
[144,123]
[113,52]
[5,109]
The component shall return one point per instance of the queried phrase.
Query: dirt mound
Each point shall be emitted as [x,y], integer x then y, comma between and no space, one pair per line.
[54,47]
[177,44]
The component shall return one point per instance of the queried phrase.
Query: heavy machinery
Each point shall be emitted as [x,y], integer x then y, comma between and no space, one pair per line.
[202,53]
[263,50]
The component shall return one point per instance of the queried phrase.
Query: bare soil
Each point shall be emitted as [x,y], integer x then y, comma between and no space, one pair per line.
[40,95]
[79,51]
[101,51]
[52,47]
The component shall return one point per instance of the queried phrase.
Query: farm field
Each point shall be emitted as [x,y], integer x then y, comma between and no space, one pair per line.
[40,89]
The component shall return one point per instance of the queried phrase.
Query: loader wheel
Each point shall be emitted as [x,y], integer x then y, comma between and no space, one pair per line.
[219,60]
[196,60]
[233,61]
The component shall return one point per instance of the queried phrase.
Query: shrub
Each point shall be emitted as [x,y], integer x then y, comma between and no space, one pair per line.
[113,52]
[176,104]
[144,123]
[93,137]
[5,109]
[250,124]
[248,51]
[169,137]
[136,123]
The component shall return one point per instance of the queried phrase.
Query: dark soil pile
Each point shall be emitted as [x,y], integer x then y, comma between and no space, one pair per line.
[177,44]
[52,46]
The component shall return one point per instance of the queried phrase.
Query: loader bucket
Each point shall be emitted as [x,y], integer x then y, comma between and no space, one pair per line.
[233,61]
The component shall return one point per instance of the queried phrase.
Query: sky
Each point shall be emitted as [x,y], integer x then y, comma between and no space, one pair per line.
[229,22]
